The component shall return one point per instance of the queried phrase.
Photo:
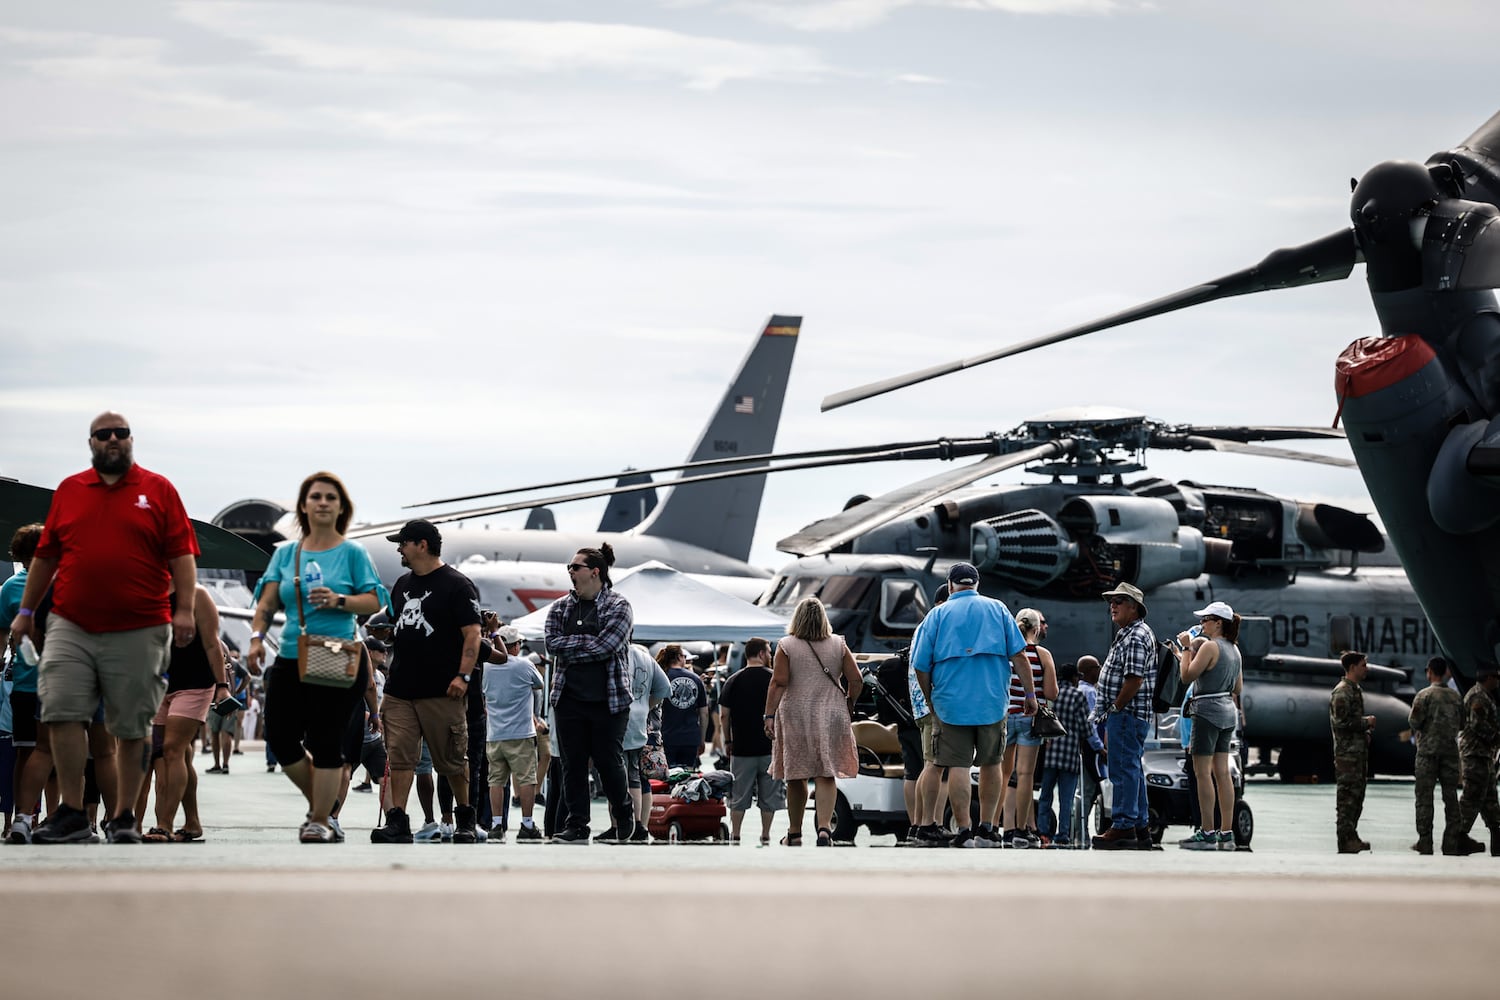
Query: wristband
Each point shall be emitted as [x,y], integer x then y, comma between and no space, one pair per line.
[257,635]
[769,717]
[221,684]
[25,612]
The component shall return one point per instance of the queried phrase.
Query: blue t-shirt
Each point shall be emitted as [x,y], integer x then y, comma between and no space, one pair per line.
[647,681]
[966,644]
[347,569]
[507,699]
[22,674]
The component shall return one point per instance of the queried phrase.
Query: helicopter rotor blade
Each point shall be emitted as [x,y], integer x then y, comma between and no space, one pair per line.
[1330,258]
[831,532]
[711,463]
[1226,433]
[1194,441]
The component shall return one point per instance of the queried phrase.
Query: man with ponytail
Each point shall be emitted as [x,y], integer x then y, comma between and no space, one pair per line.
[588,637]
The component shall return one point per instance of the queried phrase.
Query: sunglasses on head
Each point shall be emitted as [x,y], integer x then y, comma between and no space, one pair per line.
[118,433]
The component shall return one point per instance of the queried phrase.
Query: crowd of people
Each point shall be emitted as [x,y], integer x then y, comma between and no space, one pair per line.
[423,688]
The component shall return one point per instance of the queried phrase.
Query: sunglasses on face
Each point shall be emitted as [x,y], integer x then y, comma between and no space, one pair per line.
[576,567]
[118,433]
[1117,600]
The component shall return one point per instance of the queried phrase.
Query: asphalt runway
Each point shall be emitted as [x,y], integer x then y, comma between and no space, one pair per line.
[250,912]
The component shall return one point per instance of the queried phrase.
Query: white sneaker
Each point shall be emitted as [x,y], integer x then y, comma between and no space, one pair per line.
[20,831]
[338,831]
[445,830]
[479,835]
[430,833]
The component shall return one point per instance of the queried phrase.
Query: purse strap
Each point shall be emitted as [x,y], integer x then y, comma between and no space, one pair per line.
[297,583]
[826,673]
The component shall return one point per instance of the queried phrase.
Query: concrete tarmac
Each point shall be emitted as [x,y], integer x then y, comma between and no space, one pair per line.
[250,912]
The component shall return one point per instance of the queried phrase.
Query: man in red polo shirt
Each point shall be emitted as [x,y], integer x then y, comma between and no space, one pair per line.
[114,537]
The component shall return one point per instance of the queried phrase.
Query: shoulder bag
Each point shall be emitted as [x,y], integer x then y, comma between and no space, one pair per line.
[848,702]
[324,660]
[1045,725]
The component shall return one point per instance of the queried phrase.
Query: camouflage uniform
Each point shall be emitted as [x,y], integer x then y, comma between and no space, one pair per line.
[1351,758]
[1436,717]
[1477,747]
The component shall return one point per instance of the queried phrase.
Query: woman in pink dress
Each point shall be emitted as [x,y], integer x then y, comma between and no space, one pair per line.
[807,717]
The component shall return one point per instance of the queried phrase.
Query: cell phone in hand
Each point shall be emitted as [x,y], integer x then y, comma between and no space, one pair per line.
[228,706]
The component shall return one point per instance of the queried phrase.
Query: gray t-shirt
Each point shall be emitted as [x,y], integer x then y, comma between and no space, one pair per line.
[508,699]
[647,681]
[1218,680]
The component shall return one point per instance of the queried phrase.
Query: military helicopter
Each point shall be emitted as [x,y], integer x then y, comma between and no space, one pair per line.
[1315,578]
[1420,402]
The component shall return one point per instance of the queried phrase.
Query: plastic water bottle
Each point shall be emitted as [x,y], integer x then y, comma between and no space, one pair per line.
[312,576]
[1193,633]
[27,651]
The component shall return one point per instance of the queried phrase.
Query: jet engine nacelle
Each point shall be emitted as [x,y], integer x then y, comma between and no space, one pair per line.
[1135,539]
[1025,547]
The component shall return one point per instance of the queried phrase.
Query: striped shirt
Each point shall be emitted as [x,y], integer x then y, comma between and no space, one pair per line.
[1018,691]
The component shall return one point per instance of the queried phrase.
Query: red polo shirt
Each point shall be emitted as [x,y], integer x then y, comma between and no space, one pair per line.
[112,544]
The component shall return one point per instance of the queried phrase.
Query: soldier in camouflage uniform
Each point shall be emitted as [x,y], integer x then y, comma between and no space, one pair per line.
[1476,749]
[1351,751]
[1436,717]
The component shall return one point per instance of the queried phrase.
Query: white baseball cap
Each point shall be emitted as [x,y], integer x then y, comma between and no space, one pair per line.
[1217,609]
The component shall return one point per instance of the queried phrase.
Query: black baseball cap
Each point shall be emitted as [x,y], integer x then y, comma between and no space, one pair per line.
[962,573]
[417,531]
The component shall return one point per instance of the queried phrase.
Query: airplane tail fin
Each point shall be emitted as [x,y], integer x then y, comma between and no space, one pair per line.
[626,510]
[721,515]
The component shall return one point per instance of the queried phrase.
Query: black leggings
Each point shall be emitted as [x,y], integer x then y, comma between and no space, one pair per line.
[308,717]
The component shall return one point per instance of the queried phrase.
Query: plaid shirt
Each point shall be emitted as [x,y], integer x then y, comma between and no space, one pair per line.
[1073,712]
[612,644]
[1133,653]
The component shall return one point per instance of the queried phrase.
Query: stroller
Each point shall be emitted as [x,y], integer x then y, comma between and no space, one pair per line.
[690,806]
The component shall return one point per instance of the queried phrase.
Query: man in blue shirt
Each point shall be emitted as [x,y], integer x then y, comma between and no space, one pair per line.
[963,654]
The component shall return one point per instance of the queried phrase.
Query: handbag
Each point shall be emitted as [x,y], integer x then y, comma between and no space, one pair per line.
[848,702]
[324,660]
[1045,725]
[654,761]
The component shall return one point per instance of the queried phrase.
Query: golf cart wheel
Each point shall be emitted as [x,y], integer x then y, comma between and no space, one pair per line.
[1155,825]
[1244,823]
[844,827]
[674,833]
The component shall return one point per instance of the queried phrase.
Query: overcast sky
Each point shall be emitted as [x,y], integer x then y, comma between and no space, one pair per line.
[454,244]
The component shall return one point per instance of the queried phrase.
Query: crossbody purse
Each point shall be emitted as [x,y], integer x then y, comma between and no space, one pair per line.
[323,660]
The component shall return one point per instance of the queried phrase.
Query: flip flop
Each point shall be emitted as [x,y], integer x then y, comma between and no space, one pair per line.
[187,836]
[156,835]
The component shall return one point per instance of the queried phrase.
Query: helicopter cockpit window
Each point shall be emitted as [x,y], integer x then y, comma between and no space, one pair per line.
[846,592]
[796,589]
[903,605]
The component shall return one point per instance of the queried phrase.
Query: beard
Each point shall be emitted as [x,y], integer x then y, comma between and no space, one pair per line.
[112,465]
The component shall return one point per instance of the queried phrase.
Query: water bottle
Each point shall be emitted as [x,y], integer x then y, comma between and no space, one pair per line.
[312,576]
[1193,633]
[27,650]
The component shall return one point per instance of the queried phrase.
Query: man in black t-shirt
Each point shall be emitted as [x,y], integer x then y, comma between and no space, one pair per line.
[433,653]
[742,706]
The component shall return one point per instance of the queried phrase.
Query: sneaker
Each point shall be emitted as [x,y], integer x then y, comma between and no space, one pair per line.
[1116,838]
[270,768]
[1227,841]
[609,836]
[1061,841]
[216,769]
[336,830]
[463,832]
[1200,841]
[445,832]
[1143,839]
[526,835]
[496,835]
[430,833]
[910,840]
[481,835]
[572,835]
[397,829]
[1035,839]
[641,835]
[121,830]
[987,837]
[20,831]
[1018,840]
[363,786]
[965,838]
[93,837]
[315,833]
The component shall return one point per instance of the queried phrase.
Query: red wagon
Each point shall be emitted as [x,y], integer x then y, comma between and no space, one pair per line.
[676,821]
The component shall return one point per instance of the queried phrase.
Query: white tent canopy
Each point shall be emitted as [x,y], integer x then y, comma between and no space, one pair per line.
[673,607]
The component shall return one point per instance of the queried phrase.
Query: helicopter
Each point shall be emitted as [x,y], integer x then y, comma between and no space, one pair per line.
[1420,403]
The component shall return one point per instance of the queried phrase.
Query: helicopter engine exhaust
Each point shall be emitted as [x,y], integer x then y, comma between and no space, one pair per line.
[1135,539]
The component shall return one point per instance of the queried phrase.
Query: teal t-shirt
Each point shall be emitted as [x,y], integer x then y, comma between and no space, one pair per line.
[347,569]
[22,674]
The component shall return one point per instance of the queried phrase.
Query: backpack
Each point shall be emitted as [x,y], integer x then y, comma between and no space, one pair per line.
[1169,686]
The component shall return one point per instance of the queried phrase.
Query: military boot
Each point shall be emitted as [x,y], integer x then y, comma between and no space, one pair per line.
[1423,845]
[1468,845]
[1353,846]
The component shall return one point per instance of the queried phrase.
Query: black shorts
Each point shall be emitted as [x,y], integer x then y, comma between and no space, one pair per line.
[911,752]
[23,714]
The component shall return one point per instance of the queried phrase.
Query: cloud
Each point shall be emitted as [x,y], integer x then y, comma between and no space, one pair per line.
[851,15]
[349,40]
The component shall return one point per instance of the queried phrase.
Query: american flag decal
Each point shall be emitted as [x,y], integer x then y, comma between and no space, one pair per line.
[744,404]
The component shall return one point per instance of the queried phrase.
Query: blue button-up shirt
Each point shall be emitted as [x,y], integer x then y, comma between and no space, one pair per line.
[966,644]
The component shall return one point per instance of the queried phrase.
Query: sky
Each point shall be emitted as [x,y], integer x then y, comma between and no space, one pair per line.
[450,245]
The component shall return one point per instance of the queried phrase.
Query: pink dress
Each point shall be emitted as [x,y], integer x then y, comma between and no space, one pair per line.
[813,737]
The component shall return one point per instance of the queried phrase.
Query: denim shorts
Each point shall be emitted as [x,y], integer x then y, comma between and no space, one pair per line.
[1018,731]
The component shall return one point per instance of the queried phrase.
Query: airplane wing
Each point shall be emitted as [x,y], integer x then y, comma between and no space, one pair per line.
[831,532]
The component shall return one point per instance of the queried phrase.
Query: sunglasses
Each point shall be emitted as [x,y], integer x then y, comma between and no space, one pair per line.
[118,433]
[576,567]
[1117,600]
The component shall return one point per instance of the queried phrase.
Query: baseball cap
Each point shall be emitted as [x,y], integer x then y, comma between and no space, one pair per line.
[417,531]
[509,635]
[1128,590]
[962,573]
[374,645]
[1217,609]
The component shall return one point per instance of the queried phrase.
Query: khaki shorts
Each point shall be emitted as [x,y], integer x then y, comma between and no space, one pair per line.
[961,746]
[511,759]
[125,669]
[440,722]
[925,725]
[188,703]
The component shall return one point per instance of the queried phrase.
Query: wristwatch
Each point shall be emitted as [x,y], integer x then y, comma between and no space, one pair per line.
[341,600]
[464,678]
